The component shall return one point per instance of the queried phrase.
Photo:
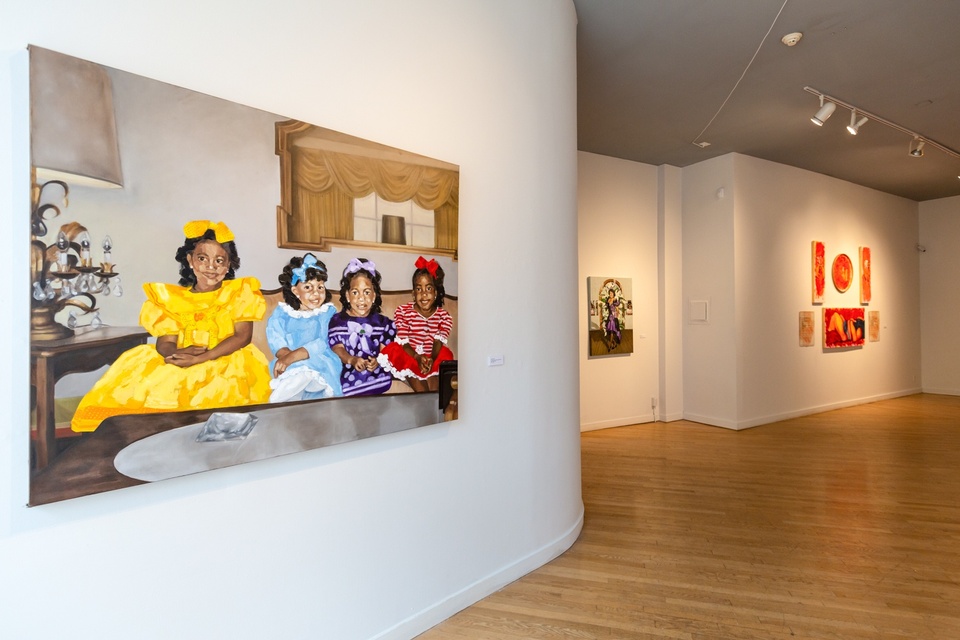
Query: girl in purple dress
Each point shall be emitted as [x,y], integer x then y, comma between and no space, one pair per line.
[359,331]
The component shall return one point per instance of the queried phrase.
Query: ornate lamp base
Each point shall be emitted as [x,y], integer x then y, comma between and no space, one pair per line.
[44,327]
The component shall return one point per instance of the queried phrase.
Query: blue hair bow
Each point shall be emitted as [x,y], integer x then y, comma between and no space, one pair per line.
[300,273]
[357,265]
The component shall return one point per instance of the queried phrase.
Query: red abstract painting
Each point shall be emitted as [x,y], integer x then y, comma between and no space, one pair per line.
[843,328]
[819,271]
[865,291]
[842,272]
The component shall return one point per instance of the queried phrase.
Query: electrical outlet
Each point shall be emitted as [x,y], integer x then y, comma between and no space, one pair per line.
[653,402]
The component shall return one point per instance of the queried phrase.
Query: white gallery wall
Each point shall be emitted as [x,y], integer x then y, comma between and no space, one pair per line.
[780,210]
[747,227]
[940,295]
[379,538]
[709,320]
[670,291]
[617,204]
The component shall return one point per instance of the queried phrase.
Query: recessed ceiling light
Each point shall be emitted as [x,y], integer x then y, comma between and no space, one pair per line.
[791,38]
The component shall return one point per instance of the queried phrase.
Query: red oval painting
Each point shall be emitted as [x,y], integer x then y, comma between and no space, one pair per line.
[842,272]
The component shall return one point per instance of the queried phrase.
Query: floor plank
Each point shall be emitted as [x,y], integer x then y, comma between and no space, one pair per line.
[842,525]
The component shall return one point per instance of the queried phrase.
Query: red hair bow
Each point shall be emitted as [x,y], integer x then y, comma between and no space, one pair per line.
[430,266]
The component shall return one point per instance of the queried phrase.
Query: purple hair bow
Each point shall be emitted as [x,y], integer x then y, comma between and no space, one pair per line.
[359,265]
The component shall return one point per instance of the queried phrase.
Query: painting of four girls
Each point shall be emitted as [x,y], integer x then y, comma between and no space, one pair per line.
[204,356]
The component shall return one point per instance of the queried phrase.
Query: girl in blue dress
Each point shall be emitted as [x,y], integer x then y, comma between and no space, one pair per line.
[304,366]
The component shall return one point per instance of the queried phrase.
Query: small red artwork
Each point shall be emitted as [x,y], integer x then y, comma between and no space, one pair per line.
[842,272]
[865,291]
[819,271]
[843,328]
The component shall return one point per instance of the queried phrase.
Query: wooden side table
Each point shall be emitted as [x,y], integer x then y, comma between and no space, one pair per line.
[50,360]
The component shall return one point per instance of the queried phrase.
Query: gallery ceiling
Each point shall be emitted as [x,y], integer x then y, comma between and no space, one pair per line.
[657,76]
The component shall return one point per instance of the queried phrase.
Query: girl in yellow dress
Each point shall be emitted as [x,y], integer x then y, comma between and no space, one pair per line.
[203,357]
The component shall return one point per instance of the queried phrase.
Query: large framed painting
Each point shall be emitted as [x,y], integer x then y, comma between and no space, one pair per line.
[610,316]
[157,352]
[843,327]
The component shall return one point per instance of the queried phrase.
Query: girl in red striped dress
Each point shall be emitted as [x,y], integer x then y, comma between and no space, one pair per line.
[423,328]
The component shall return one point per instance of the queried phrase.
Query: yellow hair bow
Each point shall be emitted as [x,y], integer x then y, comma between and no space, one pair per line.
[197,228]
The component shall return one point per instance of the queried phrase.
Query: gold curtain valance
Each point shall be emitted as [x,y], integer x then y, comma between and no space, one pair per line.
[431,188]
[323,173]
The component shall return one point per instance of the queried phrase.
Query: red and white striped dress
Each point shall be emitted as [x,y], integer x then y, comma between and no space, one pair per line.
[420,333]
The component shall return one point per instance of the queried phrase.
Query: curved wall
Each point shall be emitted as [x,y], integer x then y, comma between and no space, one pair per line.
[939,295]
[379,538]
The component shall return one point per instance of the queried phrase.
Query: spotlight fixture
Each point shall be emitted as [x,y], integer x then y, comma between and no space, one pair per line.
[826,110]
[854,126]
[916,147]
[828,104]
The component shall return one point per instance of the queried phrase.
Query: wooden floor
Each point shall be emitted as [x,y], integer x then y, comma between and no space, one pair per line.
[839,525]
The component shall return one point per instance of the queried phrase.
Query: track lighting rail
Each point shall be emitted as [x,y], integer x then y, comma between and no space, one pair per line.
[918,138]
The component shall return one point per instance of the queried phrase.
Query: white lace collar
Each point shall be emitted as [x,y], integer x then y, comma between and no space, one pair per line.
[304,313]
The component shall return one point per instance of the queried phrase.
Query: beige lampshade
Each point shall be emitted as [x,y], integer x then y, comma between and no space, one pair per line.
[394,230]
[73,130]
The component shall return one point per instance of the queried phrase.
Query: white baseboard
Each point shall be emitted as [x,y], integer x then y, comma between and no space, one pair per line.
[710,420]
[671,417]
[787,415]
[941,391]
[619,422]
[755,422]
[456,602]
